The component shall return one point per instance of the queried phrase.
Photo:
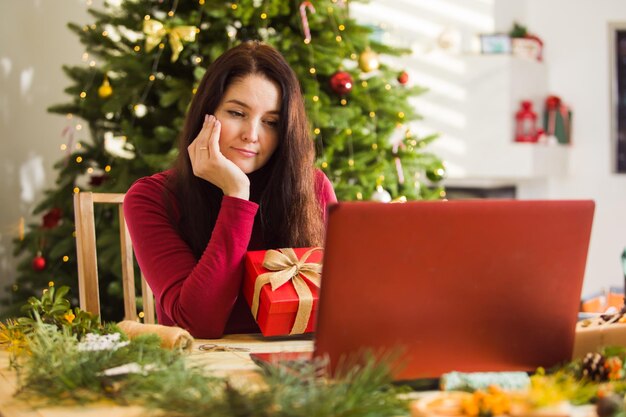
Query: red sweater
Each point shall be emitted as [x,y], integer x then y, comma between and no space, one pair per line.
[203,296]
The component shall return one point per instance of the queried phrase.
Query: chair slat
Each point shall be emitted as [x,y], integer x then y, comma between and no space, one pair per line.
[88,259]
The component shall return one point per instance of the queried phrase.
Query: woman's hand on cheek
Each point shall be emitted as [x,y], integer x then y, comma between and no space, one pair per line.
[209,164]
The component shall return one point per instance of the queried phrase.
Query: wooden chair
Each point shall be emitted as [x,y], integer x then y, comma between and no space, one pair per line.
[88,259]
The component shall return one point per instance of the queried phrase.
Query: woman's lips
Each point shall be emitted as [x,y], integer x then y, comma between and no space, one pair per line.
[245,152]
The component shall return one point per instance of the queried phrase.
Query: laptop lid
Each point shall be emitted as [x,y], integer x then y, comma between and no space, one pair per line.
[473,285]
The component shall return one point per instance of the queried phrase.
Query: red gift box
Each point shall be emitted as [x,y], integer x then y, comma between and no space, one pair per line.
[286,282]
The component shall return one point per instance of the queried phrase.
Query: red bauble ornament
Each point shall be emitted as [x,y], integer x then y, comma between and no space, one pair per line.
[39,263]
[341,82]
[51,218]
[97,180]
[403,77]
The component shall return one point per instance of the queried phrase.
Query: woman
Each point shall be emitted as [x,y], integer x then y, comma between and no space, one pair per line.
[243,180]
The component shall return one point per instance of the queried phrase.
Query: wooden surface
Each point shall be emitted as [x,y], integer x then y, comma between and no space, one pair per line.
[229,356]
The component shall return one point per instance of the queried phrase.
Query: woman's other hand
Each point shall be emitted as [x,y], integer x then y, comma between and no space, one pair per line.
[211,165]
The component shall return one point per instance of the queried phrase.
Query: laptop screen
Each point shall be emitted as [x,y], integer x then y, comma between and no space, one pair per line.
[473,285]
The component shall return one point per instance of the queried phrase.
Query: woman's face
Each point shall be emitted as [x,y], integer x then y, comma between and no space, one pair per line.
[249,114]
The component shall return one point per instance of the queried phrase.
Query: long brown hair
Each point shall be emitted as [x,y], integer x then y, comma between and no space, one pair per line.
[289,212]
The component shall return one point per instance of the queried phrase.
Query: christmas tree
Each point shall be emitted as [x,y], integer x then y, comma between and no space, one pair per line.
[143,61]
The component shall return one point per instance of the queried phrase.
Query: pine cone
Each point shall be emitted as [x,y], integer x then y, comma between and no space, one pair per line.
[593,367]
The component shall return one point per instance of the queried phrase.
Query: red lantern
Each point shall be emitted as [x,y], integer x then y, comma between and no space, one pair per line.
[526,123]
[341,82]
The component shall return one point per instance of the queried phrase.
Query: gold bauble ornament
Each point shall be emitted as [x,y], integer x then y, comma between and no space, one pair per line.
[368,61]
[105,90]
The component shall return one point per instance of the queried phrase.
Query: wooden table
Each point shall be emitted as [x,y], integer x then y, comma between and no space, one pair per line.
[233,360]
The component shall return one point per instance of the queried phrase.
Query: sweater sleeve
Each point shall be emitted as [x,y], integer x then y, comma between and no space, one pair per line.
[196,295]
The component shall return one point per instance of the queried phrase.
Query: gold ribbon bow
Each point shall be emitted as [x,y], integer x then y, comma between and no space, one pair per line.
[155,31]
[284,266]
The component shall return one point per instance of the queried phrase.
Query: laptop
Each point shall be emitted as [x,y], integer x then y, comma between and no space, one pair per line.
[468,286]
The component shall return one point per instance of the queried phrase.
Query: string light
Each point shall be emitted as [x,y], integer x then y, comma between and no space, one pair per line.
[233,6]
[161,45]
[342,27]
[66,258]
[387,86]
[307,41]
[105,33]
[201,2]
[137,48]
[90,170]
[353,56]
[359,196]
[263,15]
[50,283]
[343,101]
[69,116]
[194,91]
[93,26]
[338,38]
[79,127]
[170,13]
[364,83]
[351,162]
[79,159]
[401,115]
[374,146]
[63,146]
[141,314]
[107,168]
[74,233]
[78,145]
[312,70]
[348,132]
[152,77]
[146,17]
[372,114]
[198,60]
[85,56]
[316,99]
[92,63]
[83,94]
[317,131]
[442,193]
[76,190]
[324,164]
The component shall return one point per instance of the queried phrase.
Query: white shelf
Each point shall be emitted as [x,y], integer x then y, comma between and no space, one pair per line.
[513,162]
[482,145]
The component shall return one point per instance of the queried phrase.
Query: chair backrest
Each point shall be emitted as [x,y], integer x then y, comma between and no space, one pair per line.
[88,259]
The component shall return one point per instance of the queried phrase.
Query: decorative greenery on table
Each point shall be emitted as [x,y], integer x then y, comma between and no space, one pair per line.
[67,361]
[67,356]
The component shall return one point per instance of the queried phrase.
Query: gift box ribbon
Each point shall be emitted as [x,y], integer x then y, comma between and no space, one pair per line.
[284,267]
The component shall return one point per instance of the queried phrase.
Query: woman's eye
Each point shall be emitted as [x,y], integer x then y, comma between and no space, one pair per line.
[235,113]
[272,123]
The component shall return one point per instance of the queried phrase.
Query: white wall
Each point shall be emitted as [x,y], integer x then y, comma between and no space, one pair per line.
[34,44]
[576,61]
[577,56]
